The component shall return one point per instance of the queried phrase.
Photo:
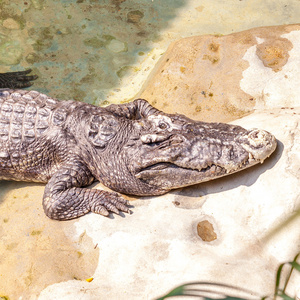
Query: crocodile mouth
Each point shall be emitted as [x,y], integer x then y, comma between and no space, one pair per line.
[250,160]
[170,175]
[253,148]
[160,167]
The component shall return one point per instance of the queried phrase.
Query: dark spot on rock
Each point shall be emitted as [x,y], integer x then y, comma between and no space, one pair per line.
[123,71]
[134,16]
[212,59]
[206,231]
[89,78]
[94,43]
[274,53]
[142,33]
[117,3]
[198,108]
[176,203]
[35,232]
[189,198]
[213,47]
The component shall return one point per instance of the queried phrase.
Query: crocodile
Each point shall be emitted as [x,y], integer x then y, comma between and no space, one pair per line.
[131,148]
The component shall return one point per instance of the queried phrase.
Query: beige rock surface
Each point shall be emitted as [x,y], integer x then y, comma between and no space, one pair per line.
[222,78]
[34,250]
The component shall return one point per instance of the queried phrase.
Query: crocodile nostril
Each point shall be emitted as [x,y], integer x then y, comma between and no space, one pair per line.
[259,137]
[259,143]
[254,134]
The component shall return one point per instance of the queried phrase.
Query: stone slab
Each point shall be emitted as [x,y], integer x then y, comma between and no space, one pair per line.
[222,78]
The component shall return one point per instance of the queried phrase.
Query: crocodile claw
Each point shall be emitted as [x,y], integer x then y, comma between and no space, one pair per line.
[109,202]
[17,80]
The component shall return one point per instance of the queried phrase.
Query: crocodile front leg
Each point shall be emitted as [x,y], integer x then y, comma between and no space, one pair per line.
[16,80]
[65,199]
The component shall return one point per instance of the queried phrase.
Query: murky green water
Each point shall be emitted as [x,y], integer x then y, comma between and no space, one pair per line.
[102,51]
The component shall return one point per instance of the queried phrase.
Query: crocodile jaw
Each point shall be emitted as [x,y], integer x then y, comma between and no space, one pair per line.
[257,146]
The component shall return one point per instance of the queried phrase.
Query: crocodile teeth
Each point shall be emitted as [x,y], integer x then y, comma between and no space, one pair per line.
[251,157]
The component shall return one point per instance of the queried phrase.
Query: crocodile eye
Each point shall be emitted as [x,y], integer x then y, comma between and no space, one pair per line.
[162,125]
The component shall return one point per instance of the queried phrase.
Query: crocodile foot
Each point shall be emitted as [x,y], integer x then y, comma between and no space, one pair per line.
[109,202]
[16,80]
[75,202]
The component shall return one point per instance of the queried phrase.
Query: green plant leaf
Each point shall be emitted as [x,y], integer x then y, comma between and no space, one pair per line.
[278,274]
[201,289]
[178,291]
[285,296]
[295,265]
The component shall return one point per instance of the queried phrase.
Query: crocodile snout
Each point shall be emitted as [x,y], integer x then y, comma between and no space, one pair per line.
[260,144]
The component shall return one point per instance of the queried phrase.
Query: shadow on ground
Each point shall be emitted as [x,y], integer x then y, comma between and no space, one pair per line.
[189,197]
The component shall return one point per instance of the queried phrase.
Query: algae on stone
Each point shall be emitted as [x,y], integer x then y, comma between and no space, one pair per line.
[10,52]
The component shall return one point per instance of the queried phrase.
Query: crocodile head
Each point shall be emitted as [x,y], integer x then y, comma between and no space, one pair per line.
[174,151]
[159,152]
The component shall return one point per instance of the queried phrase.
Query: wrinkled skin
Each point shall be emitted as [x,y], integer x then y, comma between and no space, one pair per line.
[131,148]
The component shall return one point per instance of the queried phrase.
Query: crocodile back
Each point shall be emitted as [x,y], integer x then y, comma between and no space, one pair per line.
[27,134]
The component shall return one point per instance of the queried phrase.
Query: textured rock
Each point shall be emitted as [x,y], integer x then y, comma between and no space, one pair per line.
[206,231]
[10,52]
[222,78]
[34,251]
[11,24]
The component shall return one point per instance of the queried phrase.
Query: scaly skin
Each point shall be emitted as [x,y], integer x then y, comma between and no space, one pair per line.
[131,148]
